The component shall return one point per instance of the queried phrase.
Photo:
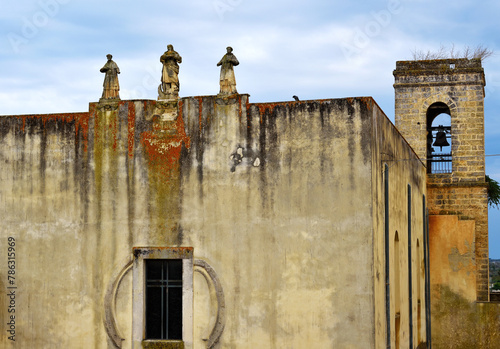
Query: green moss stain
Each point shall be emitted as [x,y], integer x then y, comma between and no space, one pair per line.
[458,323]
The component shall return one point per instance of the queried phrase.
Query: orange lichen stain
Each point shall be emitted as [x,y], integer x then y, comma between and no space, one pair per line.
[270,107]
[200,118]
[239,109]
[181,128]
[163,145]
[181,104]
[114,129]
[97,126]
[81,121]
[98,151]
[162,152]
[264,107]
[131,128]
[201,124]
[368,102]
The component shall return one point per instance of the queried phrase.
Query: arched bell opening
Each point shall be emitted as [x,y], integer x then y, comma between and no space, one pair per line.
[439,156]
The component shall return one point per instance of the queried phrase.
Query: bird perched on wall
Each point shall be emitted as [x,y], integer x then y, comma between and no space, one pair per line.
[296,98]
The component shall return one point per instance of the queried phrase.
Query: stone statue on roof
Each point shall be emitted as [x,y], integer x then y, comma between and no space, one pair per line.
[169,88]
[111,85]
[227,78]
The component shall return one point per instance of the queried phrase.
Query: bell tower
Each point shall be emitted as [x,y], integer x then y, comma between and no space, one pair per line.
[440,112]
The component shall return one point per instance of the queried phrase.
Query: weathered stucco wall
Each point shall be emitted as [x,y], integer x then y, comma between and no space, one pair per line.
[279,227]
[44,165]
[77,194]
[452,255]
[285,201]
[458,321]
[395,162]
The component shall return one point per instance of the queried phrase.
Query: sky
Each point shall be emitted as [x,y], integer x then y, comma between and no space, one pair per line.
[51,51]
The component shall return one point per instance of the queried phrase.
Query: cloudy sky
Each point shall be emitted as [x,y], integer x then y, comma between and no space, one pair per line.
[51,51]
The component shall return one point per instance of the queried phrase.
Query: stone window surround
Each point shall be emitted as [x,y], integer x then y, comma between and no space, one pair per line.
[138,301]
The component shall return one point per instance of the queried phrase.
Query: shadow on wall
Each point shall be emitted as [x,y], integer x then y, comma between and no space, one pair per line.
[460,324]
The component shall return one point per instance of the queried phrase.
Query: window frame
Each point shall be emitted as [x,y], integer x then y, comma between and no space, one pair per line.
[140,255]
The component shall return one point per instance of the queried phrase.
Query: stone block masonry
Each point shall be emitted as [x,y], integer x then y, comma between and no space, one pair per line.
[459,84]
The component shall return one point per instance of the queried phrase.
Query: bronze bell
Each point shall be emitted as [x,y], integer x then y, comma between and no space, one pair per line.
[441,140]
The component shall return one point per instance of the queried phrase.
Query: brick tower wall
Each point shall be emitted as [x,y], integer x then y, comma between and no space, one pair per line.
[458,83]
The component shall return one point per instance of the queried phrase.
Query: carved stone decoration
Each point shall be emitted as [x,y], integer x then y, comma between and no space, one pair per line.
[111,85]
[169,87]
[110,302]
[226,99]
[227,78]
[165,110]
[199,266]
[107,105]
[211,276]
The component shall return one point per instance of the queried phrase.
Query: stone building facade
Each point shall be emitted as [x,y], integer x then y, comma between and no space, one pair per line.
[214,222]
[286,220]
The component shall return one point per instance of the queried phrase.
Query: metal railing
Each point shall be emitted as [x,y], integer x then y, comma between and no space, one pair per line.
[439,163]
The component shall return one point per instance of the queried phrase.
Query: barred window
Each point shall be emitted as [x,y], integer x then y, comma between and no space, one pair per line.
[163,298]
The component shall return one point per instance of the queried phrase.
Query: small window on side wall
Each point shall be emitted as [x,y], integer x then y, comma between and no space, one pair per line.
[162,297]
